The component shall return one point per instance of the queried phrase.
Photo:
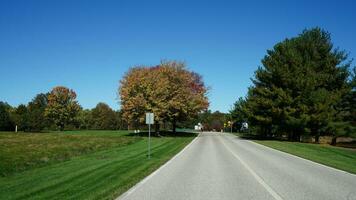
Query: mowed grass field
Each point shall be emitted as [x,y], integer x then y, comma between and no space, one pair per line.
[79,164]
[337,157]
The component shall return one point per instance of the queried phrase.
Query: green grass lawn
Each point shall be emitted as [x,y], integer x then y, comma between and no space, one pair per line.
[337,157]
[74,168]
[23,151]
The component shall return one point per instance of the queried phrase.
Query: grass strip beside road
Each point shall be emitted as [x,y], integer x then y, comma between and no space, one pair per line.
[24,151]
[339,158]
[103,174]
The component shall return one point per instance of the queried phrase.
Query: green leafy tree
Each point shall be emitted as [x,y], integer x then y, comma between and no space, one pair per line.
[121,122]
[297,89]
[21,118]
[103,117]
[351,99]
[36,113]
[345,123]
[6,123]
[213,121]
[84,119]
[210,120]
[62,106]
[239,113]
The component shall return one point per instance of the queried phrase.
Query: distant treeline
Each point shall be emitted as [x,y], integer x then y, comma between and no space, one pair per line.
[210,121]
[305,87]
[58,110]
[173,93]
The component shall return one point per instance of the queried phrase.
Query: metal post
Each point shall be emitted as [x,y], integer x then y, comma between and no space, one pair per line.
[149,141]
[149,121]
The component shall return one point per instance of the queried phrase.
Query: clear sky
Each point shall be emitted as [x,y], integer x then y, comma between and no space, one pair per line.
[89,45]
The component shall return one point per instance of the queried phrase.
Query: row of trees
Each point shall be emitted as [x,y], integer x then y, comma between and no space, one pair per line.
[211,121]
[173,93]
[27,117]
[58,110]
[102,117]
[305,87]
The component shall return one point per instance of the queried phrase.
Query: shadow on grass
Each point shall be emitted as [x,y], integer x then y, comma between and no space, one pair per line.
[351,145]
[247,136]
[163,134]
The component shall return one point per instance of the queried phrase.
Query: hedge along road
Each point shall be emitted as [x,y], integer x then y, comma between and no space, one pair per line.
[222,166]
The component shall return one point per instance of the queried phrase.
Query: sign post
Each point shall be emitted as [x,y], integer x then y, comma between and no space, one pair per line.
[149,121]
[230,124]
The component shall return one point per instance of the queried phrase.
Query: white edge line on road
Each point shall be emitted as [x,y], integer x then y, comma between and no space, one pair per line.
[139,184]
[256,176]
[304,159]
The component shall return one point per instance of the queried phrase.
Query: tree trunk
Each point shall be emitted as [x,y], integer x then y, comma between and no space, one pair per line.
[269,132]
[290,136]
[317,136]
[333,141]
[296,136]
[61,127]
[314,131]
[157,127]
[174,125]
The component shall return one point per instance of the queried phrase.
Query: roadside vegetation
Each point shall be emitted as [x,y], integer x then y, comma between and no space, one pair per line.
[337,157]
[173,93]
[52,148]
[305,88]
[46,112]
[23,151]
[304,92]
[80,164]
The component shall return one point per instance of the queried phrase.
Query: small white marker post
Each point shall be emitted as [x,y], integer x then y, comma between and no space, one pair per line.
[149,121]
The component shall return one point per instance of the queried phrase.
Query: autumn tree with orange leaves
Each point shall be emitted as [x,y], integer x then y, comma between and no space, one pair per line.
[169,90]
[62,106]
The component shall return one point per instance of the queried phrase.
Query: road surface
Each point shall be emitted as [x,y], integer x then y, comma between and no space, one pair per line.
[221,166]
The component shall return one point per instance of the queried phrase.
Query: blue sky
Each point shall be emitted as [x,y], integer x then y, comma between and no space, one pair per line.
[89,45]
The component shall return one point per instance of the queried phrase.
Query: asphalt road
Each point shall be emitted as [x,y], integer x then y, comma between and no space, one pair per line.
[221,166]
